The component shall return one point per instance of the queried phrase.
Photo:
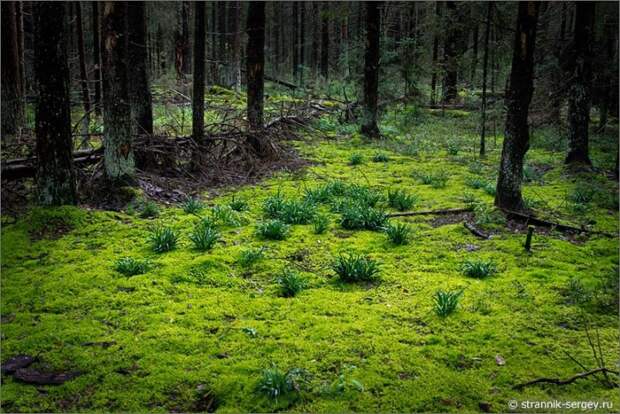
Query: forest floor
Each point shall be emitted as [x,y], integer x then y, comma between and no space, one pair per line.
[198,330]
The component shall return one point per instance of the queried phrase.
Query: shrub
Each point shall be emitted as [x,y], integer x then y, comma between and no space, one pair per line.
[479,268]
[356,159]
[291,283]
[320,224]
[380,157]
[163,239]
[149,210]
[273,230]
[360,217]
[193,205]
[238,204]
[355,268]
[400,200]
[250,256]
[437,179]
[129,266]
[204,237]
[446,302]
[398,233]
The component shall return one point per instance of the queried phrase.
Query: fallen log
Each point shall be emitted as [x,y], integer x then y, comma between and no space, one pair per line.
[529,219]
[26,167]
[17,362]
[558,381]
[475,231]
[32,376]
[431,212]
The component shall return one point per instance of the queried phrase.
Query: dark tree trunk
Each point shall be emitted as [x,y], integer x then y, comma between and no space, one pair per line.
[19,27]
[236,44]
[316,35]
[580,93]
[435,54]
[485,65]
[55,174]
[371,70]
[96,55]
[256,67]
[518,97]
[221,33]
[198,101]
[139,89]
[450,61]
[302,39]
[118,149]
[325,41]
[12,104]
[187,51]
[277,35]
[82,57]
[610,80]
[295,30]
[474,54]
[563,23]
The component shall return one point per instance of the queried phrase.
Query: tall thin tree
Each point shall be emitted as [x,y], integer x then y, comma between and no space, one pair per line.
[236,44]
[79,29]
[96,29]
[450,52]
[371,70]
[255,60]
[435,53]
[518,97]
[325,40]
[55,174]
[485,64]
[139,88]
[198,101]
[12,102]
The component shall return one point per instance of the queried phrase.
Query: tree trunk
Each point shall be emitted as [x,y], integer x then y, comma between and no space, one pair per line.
[55,174]
[316,35]
[371,70]
[19,28]
[325,41]
[450,55]
[221,33]
[187,51]
[12,103]
[96,55]
[609,78]
[139,89]
[485,64]
[295,30]
[302,39]
[255,66]
[518,97]
[236,45]
[435,54]
[79,32]
[474,54]
[198,101]
[580,92]
[118,154]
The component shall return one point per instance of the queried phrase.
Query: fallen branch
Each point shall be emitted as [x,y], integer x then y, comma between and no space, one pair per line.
[26,167]
[529,219]
[475,231]
[570,380]
[432,212]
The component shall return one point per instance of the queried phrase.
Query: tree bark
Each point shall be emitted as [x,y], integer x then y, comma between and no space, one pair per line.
[371,70]
[79,32]
[198,101]
[302,39]
[325,41]
[55,174]
[12,103]
[295,30]
[485,64]
[221,33]
[187,51]
[118,155]
[255,65]
[139,88]
[316,35]
[474,54]
[19,28]
[96,55]
[435,54]
[450,54]
[580,93]
[236,45]
[518,97]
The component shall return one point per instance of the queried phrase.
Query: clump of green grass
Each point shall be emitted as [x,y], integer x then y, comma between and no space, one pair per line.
[356,159]
[273,230]
[446,302]
[436,179]
[238,204]
[129,266]
[320,194]
[531,174]
[290,283]
[400,200]
[149,209]
[360,217]
[398,233]
[275,384]
[380,157]
[490,188]
[363,195]
[289,211]
[452,147]
[193,205]
[355,268]
[320,224]
[582,193]
[226,216]
[470,199]
[487,215]
[478,268]
[475,182]
[249,257]
[163,239]
[204,236]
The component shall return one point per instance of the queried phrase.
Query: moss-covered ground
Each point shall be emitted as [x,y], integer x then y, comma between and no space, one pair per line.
[198,329]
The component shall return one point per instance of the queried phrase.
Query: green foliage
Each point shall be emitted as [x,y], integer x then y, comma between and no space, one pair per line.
[238,204]
[275,383]
[478,268]
[355,268]
[531,174]
[53,222]
[273,230]
[163,239]
[398,233]
[400,200]
[487,215]
[475,182]
[470,199]
[575,293]
[129,266]
[344,382]
[380,157]
[490,189]
[446,302]
[149,209]
[361,217]
[356,159]
[320,224]
[582,193]
[193,205]
[436,179]
[289,211]
[363,195]
[452,147]
[290,283]
[204,236]
[226,216]
[249,257]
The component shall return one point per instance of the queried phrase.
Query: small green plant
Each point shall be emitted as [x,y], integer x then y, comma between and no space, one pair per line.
[436,179]
[275,383]
[531,174]
[575,292]
[289,211]
[318,194]
[273,230]
[363,195]
[453,147]
[380,157]
[356,159]
[398,233]
[129,266]
[478,268]
[226,216]
[446,302]
[193,205]
[355,268]
[163,239]
[490,189]
[470,199]
[475,182]
[320,224]
[400,200]
[290,283]
[360,217]
[487,215]
[204,236]
[149,209]
[249,257]
[582,193]
[238,204]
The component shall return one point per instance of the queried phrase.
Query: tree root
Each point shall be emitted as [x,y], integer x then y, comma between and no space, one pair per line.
[570,380]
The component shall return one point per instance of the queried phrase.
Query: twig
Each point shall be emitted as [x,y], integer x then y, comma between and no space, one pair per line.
[431,212]
[475,231]
[544,223]
[570,380]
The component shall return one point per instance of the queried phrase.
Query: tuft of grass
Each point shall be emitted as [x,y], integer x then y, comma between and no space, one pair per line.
[531,174]
[289,211]
[355,268]
[582,193]
[238,204]
[446,302]
[249,257]
[400,200]
[363,195]
[273,230]
[290,283]
[490,188]
[193,205]
[398,233]
[475,182]
[380,157]
[487,215]
[129,266]
[436,179]
[320,224]
[226,216]
[275,383]
[356,159]
[149,209]
[204,236]
[360,217]
[452,147]
[163,239]
[478,268]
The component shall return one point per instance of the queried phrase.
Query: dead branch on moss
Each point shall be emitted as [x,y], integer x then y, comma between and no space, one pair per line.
[431,212]
[529,219]
[475,231]
[558,381]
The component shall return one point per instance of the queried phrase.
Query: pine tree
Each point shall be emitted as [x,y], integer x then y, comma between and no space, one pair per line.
[371,70]
[139,89]
[12,103]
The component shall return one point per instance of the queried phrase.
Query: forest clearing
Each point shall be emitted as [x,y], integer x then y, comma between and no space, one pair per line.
[262,243]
